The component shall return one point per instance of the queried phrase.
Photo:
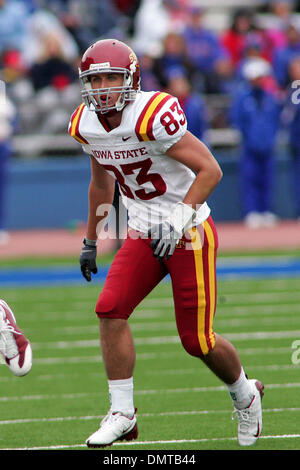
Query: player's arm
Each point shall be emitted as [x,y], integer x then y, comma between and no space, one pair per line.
[195,155]
[191,152]
[101,193]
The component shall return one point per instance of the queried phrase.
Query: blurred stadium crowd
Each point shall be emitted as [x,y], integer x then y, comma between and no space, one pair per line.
[204,52]
[183,48]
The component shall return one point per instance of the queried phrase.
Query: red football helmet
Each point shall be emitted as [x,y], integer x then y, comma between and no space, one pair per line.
[104,56]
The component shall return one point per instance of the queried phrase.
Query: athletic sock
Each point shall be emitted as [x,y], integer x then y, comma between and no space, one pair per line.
[241,391]
[121,396]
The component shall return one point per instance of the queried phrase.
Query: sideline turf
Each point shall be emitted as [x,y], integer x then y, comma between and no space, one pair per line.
[63,398]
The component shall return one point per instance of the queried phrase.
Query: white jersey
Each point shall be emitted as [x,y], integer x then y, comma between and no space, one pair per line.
[150,182]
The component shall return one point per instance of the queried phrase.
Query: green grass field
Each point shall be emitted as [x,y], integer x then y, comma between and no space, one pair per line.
[181,405]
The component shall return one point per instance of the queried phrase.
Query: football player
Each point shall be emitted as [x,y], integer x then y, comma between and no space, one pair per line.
[14,346]
[165,176]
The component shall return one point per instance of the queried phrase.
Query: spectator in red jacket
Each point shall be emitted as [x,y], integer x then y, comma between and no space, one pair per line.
[235,38]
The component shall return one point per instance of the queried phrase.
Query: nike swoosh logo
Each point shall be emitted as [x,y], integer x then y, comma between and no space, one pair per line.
[126,138]
[257,434]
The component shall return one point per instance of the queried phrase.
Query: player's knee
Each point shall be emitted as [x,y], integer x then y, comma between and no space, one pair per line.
[197,347]
[110,306]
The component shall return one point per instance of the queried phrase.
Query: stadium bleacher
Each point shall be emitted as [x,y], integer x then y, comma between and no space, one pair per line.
[44,111]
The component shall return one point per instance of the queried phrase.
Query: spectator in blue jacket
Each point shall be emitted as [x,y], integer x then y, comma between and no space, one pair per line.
[174,56]
[13,22]
[284,55]
[205,52]
[7,122]
[294,130]
[256,113]
[191,102]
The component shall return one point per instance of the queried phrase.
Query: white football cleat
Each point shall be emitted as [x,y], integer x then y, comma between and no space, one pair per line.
[114,427]
[14,347]
[250,418]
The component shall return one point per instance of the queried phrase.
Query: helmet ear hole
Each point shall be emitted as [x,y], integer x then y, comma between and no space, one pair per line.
[128,79]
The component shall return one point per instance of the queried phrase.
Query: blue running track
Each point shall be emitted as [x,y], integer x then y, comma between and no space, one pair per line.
[233,268]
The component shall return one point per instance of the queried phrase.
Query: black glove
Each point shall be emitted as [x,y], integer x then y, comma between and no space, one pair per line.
[87,259]
[166,235]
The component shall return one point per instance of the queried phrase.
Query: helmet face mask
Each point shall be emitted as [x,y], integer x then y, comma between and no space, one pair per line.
[100,99]
[109,56]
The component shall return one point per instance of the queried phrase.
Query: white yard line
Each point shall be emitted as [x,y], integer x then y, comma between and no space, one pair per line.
[76,396]
[39,361]
[147,443]
[171,325]
[176,372]
[158,340]
[42,305]
[140,415]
